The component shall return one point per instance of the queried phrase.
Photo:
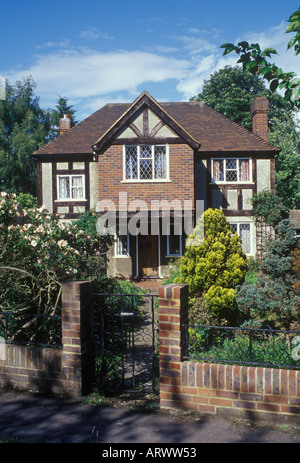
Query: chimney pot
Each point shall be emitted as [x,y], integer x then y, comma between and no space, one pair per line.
[65,123]
[259,113]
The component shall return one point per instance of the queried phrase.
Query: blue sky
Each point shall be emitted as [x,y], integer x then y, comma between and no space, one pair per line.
[97,51]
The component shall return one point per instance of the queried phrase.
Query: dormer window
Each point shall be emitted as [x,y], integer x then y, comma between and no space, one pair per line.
[145,163]
[231,170]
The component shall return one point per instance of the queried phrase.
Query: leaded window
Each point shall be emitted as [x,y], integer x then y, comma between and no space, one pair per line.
[146,162]
[231,170]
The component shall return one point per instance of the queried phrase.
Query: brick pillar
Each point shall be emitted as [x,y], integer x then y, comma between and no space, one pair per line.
[77,337]
[259,113]
[173,313]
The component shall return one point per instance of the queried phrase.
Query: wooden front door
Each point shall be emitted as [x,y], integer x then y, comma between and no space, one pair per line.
[148,255]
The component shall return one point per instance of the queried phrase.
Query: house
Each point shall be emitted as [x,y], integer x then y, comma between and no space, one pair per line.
[150,160]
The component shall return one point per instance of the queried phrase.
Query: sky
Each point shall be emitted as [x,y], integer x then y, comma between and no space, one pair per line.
[95,52]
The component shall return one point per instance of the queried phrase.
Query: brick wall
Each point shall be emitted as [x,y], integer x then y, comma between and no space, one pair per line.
[181,173]
[66,371]
[230,390]
[29,367]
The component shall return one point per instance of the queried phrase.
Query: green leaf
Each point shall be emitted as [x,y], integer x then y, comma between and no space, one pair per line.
[269,52]
[292,42]
[229,47]
[293,27]
[273,85]
[256,46]
[243,45]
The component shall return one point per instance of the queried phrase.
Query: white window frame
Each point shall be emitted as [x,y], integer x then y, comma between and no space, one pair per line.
[237,169]
[169,254]
[70,183]
[138,179]
[238,224]
[118,244]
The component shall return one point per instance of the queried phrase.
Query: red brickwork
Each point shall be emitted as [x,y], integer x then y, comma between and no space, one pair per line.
[35,368]
[259,113]
[77,339]
[180,186]
[59,371]
[233,390]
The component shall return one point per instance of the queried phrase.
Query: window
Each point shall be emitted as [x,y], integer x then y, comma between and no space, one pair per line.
[174,243]
[121,245]
[244,232]
[231,170]
[70,187]
[145,162]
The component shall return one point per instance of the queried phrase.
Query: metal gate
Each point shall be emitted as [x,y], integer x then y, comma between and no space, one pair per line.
[126,342]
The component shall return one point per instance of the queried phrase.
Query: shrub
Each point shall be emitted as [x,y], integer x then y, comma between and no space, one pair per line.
[38,253]
[214,266]
[272,299]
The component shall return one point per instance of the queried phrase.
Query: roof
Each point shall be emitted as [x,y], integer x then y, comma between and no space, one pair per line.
[201,126]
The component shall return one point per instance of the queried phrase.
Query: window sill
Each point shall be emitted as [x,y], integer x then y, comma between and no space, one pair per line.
[70,200]
[232,183]
[121,257]
[146,181]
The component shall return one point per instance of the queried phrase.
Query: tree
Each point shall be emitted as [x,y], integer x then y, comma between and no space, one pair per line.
[216,266]
[271,299]
[62,107]
[285,136]
[24,126]
[255,61]
[231,91]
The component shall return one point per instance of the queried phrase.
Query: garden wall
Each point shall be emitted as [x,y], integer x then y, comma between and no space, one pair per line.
[229,390]
[67,371]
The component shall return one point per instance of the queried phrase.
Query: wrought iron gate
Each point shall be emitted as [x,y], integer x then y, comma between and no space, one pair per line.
[126,342]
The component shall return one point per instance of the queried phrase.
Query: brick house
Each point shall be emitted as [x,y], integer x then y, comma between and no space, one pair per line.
[144,156]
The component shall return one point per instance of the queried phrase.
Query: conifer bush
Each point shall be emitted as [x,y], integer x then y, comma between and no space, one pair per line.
[215,265]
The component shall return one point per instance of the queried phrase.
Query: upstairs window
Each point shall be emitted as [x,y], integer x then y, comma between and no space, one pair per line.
[70,187]
[231,170]
[146,162]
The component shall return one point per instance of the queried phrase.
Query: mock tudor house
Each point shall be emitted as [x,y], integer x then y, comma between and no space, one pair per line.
[140,158]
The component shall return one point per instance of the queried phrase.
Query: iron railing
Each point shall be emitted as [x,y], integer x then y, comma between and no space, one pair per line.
[31,329]
[244,346]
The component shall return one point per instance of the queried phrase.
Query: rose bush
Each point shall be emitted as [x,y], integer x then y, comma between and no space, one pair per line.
[38,253]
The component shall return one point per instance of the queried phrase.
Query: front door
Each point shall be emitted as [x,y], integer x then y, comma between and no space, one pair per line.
[148,255]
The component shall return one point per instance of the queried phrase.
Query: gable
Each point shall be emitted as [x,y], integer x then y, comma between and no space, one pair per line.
[143,120]
[145,124]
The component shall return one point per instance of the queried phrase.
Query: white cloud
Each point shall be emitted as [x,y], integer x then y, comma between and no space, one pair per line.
[93,33]
[89,73]
[91,78]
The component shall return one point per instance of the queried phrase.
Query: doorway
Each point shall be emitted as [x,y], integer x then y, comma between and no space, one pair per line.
[148,256]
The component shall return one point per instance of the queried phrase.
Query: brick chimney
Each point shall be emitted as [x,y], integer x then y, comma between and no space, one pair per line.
[65,123]
[259,113]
